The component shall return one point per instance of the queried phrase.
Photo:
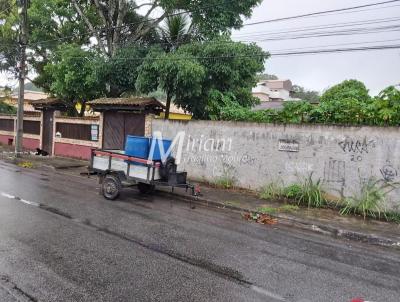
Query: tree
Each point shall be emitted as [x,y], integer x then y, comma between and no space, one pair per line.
[266,77]
[231,69]
[305,95]
[123,20]
[386,106]
[5,92]
[74,75]
[120,72]
[179,75]
[175,31]
[107,26]
[347,89]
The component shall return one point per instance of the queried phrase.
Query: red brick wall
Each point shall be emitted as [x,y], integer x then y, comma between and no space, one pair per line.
[4,138]
[74,151]
[30,143]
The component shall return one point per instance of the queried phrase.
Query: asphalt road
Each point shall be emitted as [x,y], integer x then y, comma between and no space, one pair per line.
[61,241]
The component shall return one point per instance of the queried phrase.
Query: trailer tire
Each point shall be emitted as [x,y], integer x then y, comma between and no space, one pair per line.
[111,187]
[145,188]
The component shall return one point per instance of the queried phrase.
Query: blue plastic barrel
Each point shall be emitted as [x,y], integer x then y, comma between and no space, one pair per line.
[137,146]
[166,143]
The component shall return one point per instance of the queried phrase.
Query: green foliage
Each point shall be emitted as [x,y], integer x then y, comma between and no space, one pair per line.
[383,110]
[349,89]
[177,30]
[224,182]
[265,76]
[178,74]
[200,84]
[370,201]
[230,73]
[121,71]
[7,109]
[392,217]
[306,95]
[309,193]
[212,17]
[289,208]
[272,190]
[267,210]
[293,191]
[74,76]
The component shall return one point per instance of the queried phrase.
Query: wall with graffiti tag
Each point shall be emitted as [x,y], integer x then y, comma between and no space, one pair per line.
[253,155]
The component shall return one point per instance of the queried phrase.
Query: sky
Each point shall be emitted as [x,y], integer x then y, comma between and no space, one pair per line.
[377,69]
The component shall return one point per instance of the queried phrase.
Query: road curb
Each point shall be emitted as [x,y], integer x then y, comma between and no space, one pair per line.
[296,222]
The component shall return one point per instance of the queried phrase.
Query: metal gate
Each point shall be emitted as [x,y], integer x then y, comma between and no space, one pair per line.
[117,125]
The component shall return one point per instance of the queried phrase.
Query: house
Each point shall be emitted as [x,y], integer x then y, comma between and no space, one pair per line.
[273,90]
[29,96]
[176,113]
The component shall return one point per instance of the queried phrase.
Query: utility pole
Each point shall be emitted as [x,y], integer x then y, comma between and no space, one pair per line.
[23,39]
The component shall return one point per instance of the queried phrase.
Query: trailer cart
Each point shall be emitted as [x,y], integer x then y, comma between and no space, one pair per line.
[117,170]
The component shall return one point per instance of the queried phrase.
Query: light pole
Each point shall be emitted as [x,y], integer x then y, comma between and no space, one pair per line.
[23,38]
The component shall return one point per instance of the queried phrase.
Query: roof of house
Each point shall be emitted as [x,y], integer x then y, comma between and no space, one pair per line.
[278,84]
[30,96]
[131,103]
[48,103]
[177,110]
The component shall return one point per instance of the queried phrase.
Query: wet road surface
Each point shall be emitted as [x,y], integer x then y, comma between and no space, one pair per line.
[61,241]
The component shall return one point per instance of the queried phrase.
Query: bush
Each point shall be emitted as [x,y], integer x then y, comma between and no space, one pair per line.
[308,193]
[293,191]
[370,201]
[224,182]
[347,103]
[272,191]
[7,109]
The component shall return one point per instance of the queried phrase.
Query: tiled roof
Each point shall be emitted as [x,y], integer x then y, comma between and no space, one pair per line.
[48,102]
[126,102]
[31,96]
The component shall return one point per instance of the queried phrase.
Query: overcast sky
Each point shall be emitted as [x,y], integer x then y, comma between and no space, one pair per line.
[377,69]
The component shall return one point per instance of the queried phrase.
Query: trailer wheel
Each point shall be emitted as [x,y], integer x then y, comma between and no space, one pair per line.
[111,187]
[145,188]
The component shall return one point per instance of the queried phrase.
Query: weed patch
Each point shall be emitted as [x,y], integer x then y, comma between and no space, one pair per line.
[370,201]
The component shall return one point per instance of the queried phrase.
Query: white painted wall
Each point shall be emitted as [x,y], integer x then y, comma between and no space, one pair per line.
[257,154]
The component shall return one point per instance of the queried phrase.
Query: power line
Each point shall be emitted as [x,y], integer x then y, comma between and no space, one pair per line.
[331,45]
[326,26]
[330,34]
[203,7]
[383,47]
[265,55]
[320,13]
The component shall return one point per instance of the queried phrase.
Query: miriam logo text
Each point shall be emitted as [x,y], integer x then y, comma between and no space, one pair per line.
[192,145]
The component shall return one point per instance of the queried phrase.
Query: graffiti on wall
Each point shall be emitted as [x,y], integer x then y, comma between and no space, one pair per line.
[389,173]
[357,148]
[335,171]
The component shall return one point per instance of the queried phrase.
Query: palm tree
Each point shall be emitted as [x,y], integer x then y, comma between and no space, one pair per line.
[176,30]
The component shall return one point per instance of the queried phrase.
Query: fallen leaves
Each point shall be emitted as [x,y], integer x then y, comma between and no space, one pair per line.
[260,218]
[26,164]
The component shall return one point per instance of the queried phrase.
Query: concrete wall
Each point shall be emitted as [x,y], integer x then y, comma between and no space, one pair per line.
[257,154]
[75,148]
[29,141]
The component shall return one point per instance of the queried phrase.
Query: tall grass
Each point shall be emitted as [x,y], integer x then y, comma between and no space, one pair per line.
[370,201]
[272,190]
[310,193]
